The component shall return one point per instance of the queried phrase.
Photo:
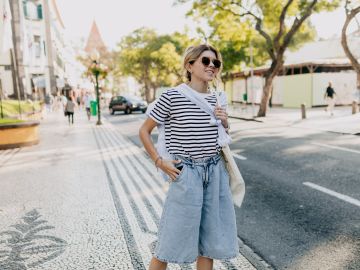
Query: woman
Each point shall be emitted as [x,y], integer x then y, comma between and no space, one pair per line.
[69,110]
[198,219]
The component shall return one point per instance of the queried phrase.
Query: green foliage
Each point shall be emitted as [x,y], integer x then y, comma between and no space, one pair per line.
[107,64]
[233,23]
[153,60]
[10,121]
[11,107]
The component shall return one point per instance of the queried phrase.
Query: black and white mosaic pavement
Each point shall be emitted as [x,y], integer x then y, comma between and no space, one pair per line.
[85,198]
[29,243]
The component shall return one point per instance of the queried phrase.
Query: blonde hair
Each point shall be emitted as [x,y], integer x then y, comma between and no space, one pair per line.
[192,53]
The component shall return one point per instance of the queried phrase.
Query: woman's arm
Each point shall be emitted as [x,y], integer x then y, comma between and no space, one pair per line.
[145,137]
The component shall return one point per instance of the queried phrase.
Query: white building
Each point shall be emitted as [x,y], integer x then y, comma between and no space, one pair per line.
[6,84]
[48,60]
[305,76]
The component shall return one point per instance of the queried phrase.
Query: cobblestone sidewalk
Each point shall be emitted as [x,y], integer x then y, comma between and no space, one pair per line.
[84,198]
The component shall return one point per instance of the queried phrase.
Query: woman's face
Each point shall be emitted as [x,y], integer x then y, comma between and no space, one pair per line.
[203,69]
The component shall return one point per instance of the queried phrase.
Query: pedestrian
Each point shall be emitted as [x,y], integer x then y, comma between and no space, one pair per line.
[78,100]
[198,219]
[63,101]
[69,110]
[49,100]
[87,102]
[329,96]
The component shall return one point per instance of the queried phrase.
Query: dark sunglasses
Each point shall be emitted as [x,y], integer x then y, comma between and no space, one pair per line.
[206,62]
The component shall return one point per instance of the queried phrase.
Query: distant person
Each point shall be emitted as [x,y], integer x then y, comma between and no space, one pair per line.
[78,101]
[49,100]
[69,110]
[87,102]
[63,101]
[330,99]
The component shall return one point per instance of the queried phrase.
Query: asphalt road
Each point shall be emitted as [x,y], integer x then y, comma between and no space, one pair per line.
[302,203]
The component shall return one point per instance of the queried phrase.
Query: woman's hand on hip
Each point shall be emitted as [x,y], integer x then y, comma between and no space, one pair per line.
[167,166]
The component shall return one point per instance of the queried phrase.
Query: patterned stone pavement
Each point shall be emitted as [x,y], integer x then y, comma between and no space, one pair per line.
[84,198]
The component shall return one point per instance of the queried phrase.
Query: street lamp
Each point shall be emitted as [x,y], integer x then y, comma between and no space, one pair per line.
[95,56]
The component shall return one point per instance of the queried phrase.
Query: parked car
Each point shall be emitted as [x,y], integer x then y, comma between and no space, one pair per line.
[127,104]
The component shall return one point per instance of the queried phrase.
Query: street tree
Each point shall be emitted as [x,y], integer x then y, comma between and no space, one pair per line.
[281,24]
[106,58]
[153,60]
[352,8]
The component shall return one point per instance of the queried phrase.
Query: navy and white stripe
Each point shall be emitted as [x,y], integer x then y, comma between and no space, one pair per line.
[188,131]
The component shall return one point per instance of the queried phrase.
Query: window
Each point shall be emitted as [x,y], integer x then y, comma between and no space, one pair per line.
[39,12]
[37,46]
[32,10]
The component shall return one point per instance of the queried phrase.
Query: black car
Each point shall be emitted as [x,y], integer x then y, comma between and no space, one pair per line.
[127,104]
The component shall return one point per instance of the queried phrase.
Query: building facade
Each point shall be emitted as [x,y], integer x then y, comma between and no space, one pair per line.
[304,78]
[40,52]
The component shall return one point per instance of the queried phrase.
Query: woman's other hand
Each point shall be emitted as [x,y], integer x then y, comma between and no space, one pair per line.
[167,166]
[221,114]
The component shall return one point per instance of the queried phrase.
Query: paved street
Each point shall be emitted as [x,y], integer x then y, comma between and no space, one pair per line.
[301,209]
[85,198]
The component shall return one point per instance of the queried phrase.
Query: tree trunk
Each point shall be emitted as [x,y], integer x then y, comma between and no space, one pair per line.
[153,94]
[269,77]
[354,61]
[147,93]
[265,97]
[358,86]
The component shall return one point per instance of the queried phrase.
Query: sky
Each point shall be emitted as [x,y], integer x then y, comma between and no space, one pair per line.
[118,18]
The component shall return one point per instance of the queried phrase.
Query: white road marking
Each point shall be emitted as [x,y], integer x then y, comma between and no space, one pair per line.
[239,156]
[333,193]
[337,147]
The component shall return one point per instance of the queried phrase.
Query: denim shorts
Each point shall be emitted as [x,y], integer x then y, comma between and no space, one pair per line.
[198,217]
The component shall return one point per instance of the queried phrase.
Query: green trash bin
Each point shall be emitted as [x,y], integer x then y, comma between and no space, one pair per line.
[93,107]
[245,97]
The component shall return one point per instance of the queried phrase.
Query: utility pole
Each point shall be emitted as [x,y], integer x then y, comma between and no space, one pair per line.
[49,70]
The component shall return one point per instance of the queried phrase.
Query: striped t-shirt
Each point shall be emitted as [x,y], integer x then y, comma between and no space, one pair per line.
[188,132]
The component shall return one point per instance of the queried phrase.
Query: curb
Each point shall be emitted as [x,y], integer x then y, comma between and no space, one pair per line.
[252,257]
[245,119]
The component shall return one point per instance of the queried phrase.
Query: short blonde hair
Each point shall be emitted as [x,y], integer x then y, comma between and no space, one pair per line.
[192,53]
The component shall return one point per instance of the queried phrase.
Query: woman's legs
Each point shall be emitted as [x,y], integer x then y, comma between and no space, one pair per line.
[204,263]
[72,117]
[155,264]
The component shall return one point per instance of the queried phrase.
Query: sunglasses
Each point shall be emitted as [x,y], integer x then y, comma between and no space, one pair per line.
[206,62]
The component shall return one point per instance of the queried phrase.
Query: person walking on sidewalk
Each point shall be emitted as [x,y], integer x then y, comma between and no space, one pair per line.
[87,101]
[329,96]
[198,219]
[70,110]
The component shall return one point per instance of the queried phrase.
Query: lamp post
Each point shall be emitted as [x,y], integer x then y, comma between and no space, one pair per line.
[95,56]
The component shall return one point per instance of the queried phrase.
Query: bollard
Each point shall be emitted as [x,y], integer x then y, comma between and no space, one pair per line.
[303,111]
[354,107]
